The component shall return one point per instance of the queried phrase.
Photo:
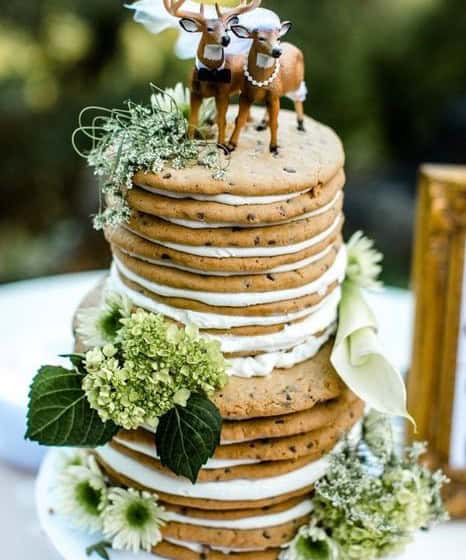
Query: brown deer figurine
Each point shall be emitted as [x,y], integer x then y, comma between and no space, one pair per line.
[273,70]
[216,74]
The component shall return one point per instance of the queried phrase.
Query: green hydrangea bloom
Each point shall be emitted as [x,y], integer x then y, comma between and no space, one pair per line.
[371,507]
[152,367]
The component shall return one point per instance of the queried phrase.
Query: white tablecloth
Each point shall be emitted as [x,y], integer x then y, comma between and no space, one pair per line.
[35,319]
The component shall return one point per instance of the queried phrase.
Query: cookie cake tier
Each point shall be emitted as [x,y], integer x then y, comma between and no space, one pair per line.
[256,262]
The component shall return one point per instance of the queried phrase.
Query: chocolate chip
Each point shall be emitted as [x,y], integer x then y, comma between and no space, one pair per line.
[201,215]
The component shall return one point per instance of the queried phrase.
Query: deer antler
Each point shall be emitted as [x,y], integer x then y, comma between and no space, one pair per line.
[243,7]
[173,7]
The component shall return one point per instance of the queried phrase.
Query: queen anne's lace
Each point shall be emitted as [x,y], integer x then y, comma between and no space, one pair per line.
[140,138]
[371,501]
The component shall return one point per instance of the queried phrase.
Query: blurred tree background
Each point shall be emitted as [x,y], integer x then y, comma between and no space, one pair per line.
[388,75]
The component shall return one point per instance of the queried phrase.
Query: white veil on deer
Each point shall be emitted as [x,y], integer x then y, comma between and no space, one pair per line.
[152,14]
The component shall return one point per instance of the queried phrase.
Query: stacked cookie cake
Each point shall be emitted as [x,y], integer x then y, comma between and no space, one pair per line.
[209,392]
[256,262]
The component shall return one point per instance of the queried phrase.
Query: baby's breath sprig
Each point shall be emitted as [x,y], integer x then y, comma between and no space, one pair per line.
[139,138]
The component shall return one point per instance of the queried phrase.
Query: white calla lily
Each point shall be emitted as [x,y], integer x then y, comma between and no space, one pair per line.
[359,360]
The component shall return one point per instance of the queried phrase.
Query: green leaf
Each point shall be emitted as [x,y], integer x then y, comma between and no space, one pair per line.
[77,360]
[59,413]
[100,549]
[188,436]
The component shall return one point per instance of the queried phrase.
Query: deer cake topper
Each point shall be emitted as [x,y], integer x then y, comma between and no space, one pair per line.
[216,73]
[272,70]
[237,50]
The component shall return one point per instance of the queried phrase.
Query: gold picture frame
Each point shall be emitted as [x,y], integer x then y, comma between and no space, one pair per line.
[440,294]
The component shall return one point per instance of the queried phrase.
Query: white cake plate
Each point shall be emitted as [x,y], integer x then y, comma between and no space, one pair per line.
[447,541]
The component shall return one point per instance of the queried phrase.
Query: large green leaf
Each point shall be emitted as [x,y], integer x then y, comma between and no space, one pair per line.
[188,436]
[59,413]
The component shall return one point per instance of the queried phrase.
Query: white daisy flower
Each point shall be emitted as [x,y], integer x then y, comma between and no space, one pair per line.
[71,458]
[98,326]
[310,542]
[82,494]
[133,519]
[363,262]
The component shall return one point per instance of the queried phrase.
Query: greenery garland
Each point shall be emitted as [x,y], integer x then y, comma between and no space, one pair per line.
[140,138]
[371,501]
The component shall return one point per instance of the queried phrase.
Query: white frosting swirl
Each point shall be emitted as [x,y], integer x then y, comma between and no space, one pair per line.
[241,252]
[192,224]
[228,199]
[335,273]
[264,364]
[282,268]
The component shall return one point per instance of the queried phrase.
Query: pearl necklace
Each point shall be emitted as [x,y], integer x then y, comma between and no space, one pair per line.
[265,83]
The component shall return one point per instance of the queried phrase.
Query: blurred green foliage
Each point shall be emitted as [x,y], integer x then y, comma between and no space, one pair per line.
[381,72]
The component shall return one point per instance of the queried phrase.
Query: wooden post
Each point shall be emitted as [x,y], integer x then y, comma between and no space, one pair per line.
[440,290]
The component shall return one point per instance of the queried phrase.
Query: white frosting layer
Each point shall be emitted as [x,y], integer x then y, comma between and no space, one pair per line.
[232,490]
[290,336]
[241,252]
[264,364]
[259,522]
[335,273]
[192,224]
[283,268]
[150,451]
[230,200]
[204,320]
[195,547]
